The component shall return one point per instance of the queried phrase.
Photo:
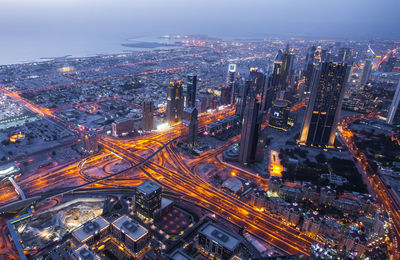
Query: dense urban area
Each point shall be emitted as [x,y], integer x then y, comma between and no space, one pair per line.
[204,149]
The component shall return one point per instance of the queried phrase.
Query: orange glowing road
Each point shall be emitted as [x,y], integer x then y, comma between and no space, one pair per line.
[175,174]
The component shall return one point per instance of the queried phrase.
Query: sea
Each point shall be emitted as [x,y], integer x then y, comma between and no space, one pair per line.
[20,49]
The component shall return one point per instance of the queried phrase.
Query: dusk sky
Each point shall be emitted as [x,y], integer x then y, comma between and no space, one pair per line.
[31,29]
[340,18]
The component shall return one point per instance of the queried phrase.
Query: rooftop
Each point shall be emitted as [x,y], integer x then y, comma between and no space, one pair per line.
[233,184]
[219,236]
[83,252]
[148,187]
[130,227]
[90,228]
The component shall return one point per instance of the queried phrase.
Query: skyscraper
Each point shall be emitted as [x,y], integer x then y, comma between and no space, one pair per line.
[242,98]
[231,82]
[258,80]
[313,59]
[174,102]
[393,117]
[323,110]
[369,58]
[148,110]
[250,131]
[191,87]
[148,198]
[190,121]
[345,55]
[273,85]
[286,78]
[366,71]
[279,114]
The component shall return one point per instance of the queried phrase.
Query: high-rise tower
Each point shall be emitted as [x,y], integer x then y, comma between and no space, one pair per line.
[174,102]
[251,133]
[148,110]
[393,117]
[191,90]
[323,110]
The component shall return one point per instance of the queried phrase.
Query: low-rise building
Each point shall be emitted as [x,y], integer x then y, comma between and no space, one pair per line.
[312,222]
[290,193]
[327,195]
[83,252]
[274,183]
[133,235]
[92,231]
[216,242]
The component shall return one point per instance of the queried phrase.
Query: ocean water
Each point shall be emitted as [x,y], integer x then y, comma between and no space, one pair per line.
[21,49]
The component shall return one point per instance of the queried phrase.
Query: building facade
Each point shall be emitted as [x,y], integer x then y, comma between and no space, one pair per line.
[324,107]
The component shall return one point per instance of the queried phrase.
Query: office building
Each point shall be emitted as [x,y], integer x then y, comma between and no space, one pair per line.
[190,122]
[258,80]
[242,98]
[313,59]
[226,94]
[215,240]
[191,87]
[90,144]
[369,58]
[92,231]
[148,120]
[366,71]
[324,106]
[287,73]
[231,83]
[345,55]
[148,198]
[122,127]
[393,117]
[175,102]
[82,252]
[250,131]
[237,86]
[279,114]
[133,235]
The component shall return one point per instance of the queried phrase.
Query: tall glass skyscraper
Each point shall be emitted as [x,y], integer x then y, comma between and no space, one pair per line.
[191,90]
[393,117]
[323,110]
[174,102]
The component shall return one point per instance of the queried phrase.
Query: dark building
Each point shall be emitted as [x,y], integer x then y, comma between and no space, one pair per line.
[242,98]
[250,131]
[147,198]
[393,117]
[287,67]
[258,80]
[366,71]
[191,87]
[279,114]
[345,55]
[133,235]
[323,110]
[313,59]
[90,144]
[231,83]
[190,121]
[225,95]
[174,102]
[148,120]
[216,240]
